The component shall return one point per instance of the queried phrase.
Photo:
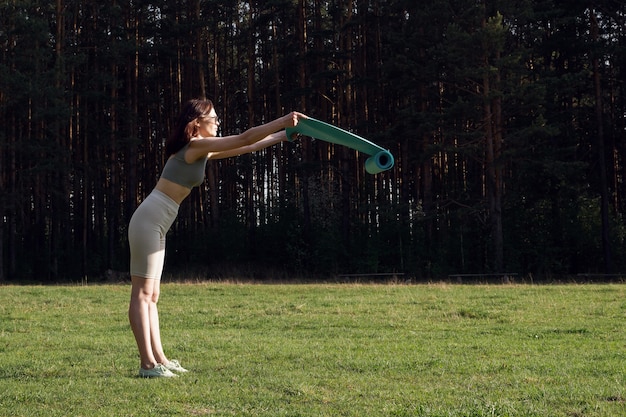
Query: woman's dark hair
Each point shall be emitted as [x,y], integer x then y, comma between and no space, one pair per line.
[185,127]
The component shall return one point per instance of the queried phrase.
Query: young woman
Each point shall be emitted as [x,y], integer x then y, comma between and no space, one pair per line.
[193,141]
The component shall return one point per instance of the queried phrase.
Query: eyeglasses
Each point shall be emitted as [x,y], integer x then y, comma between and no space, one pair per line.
[214,119]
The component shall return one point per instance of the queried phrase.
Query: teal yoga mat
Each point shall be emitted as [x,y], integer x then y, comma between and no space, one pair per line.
[380,159]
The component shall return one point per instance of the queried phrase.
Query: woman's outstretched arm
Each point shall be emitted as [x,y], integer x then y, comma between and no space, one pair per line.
[237,144]
[266,142]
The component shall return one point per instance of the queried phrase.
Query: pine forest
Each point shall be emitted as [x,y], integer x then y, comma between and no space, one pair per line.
[506,119]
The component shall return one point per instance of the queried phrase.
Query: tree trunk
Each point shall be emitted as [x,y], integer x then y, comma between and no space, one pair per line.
[604,188]
[492,110]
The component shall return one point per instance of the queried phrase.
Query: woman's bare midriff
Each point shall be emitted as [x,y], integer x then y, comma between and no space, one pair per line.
[174,191]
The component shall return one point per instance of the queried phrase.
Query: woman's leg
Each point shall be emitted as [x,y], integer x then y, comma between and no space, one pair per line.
[155,332]
[146,235]
[139,314]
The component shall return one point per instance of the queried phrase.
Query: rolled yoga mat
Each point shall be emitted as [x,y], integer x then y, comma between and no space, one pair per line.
[380,159]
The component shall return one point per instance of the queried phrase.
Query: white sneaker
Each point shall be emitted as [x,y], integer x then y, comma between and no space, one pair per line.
[159,371]
[174,366]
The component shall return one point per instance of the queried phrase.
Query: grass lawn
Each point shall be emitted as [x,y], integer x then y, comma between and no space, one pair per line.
[319,350]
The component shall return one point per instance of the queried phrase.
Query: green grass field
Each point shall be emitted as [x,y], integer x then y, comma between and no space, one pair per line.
[319,350]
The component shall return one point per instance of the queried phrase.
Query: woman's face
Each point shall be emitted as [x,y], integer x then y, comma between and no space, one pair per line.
[208,125]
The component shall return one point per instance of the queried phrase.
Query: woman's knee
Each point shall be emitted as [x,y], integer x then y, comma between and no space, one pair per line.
[156,291]
[142,289]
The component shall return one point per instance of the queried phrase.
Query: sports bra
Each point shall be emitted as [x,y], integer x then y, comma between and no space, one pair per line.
[180,172]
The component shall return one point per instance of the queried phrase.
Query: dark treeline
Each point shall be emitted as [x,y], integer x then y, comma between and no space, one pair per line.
[506,119]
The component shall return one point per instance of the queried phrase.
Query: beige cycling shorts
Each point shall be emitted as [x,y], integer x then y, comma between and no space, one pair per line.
[146,234]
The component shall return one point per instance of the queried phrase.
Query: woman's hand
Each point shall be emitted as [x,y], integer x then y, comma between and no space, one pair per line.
[291,119]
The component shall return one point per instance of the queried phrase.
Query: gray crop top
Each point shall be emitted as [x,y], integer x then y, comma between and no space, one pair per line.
[178,171]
